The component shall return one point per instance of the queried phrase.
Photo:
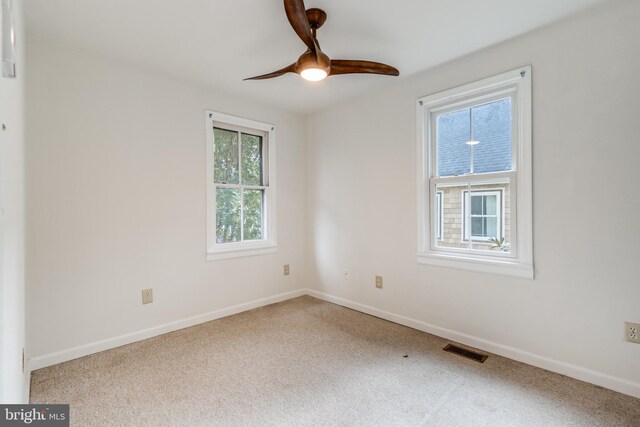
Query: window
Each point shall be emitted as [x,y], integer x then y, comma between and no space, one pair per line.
[474,189]
[439,214]
[484,219]
[241,187]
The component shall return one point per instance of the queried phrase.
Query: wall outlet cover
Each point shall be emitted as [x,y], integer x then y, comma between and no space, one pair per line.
[147,296]
[379,282]
[286,269]
[632,332]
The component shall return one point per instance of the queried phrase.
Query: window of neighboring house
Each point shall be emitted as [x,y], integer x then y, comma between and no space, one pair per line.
[241,187]
[484,220]
[439,214]
[475,183]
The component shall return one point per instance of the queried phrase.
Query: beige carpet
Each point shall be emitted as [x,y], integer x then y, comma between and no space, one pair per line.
[306,362]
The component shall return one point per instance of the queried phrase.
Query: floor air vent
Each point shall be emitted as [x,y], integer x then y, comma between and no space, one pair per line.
[469,354]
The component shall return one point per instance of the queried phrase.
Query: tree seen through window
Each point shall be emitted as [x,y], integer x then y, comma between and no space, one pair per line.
[239,179]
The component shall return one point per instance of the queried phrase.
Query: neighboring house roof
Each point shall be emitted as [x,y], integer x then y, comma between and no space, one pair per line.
[491,127]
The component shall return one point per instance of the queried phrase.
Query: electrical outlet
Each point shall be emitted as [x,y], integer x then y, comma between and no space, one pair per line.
[347,275]
[632,332]
[379,282]
[286,269]
[147,296]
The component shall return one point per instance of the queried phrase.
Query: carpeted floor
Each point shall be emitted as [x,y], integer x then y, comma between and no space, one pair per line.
[306,362]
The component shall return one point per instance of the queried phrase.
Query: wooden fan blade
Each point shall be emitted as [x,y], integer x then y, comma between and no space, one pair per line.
[298,19]
[288,69]
[347,66]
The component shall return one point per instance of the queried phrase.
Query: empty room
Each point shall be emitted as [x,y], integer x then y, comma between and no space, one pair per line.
[320,213]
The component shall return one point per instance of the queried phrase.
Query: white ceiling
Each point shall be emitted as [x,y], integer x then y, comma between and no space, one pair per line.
[220,42]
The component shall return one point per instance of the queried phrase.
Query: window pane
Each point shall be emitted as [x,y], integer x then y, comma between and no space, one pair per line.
[489,205]
[491,128]
[478,226]
[476,205]
[452,135]
[251,159]
[253,202]
[491,227]
[451,200]
[225,166]
[227,215]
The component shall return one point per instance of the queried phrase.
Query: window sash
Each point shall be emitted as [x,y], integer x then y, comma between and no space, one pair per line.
[247,131]
[476,101]
[242,209]
[490,178]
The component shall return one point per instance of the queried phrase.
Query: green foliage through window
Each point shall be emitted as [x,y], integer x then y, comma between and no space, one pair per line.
[253,214]
[251,159]
[225,167]
[238,176]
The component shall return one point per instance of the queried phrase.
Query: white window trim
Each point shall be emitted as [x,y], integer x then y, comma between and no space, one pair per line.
[499,212]
[218,251]
[521,206]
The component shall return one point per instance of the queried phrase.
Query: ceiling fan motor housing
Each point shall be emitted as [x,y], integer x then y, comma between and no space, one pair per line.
[313,60]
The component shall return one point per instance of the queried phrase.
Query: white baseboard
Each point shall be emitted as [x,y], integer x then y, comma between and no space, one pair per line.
[620,385]
[607,381]
[95,347]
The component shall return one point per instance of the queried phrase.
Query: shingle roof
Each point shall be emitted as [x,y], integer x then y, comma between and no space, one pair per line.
[491,127]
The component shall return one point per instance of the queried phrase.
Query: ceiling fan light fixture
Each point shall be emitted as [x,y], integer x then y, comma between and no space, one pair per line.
[313,65]
[313,74]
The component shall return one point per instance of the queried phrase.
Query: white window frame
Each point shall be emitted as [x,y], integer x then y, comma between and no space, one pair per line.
[518,261]
[466,215]
[440,208]
[217,251]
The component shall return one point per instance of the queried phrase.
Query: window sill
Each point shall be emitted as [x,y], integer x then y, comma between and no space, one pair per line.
[482,265]
[242,251]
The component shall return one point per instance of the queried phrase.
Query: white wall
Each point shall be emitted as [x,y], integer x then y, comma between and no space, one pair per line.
[12,284]
[116,202]
[362,162]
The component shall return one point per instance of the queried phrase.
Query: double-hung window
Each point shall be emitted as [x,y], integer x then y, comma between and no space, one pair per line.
[240,186]
[474,172]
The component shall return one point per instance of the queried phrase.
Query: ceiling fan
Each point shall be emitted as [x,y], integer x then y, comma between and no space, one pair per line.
[314,65]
